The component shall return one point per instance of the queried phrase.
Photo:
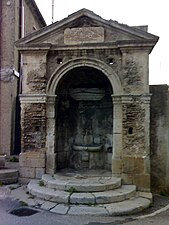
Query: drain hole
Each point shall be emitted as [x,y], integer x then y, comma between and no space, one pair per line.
[23,212]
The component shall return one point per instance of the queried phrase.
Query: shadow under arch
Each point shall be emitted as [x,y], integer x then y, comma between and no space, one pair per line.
[52,98]
[79,62]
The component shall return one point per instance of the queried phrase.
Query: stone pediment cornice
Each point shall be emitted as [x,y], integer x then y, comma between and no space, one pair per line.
[86,18]
[123,46]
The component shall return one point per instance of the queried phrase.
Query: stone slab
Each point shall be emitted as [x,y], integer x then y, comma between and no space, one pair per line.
[82,184]
[48,205]
[88,210]
[127,207]
[60,209]
[8,176]
[39,172]
[80,35]
[27,172]
[46,193]
[120,194]
[82,198]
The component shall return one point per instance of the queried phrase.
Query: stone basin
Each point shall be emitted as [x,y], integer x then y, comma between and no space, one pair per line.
[88,148]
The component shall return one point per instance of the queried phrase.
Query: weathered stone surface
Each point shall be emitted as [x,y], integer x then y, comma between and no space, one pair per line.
[88,210]
[84,35]
[78,55]
[47,193]
[48,205]
[27,172]
[60,209]
[120,194]
[8,176]
[33,126]
[159,138]
[9,62]
[32,164]
[82,198]
[39,172]
[83,184]
[127,207]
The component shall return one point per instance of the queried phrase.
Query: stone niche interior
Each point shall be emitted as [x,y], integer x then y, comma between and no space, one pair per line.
[84,120]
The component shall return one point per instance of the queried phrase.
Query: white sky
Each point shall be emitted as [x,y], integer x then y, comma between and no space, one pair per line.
[153,13]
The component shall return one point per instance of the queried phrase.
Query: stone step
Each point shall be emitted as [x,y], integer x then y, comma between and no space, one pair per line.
[126,207]
[8,176]
[92,198]
[80,183]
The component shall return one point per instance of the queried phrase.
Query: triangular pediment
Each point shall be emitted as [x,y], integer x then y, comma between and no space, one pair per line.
[84,27]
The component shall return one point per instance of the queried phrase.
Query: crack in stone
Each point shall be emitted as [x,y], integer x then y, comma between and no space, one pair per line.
[116,222]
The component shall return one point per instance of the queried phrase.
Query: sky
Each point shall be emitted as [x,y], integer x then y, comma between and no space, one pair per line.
[153,13]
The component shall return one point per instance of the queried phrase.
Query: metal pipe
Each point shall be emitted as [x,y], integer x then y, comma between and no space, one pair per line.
[52,11]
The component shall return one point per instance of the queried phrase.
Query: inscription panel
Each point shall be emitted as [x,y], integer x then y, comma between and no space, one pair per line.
[83,35]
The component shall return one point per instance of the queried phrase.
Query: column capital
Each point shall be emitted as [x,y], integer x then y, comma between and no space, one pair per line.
[131,98]
[116,99]
[32,98]
[51,99]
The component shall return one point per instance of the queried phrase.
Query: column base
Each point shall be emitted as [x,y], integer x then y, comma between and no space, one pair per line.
[51,163]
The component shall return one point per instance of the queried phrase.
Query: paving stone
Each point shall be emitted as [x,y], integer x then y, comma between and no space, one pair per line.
[60,209]
[88,210]
[48,205]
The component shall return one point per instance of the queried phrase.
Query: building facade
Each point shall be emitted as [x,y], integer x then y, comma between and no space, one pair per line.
[17,19]
[85,102]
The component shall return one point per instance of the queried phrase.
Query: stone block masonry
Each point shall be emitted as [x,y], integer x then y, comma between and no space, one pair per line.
[33,126]
[32,164]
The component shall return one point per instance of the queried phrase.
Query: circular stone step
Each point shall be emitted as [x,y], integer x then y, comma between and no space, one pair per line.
[8,176]
[93,198]
[121,201]
[80,183]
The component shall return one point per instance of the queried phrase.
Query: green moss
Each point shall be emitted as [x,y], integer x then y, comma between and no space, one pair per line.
[23,203]
[14,159]
[41,183]
[72,190]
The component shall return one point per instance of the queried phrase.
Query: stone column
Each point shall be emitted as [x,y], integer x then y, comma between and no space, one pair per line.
[117,136]
[146,101]
[51,139]
[136,122]
[33,124]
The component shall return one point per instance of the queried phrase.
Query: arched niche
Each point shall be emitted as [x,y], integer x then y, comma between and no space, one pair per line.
[75,121]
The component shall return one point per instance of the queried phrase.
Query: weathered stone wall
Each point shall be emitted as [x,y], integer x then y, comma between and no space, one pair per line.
[32,165]
[135,163]
[159,137]
[133,129]
[34,70]
[33,126]
[111,57]
[134,72]
[65,65]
